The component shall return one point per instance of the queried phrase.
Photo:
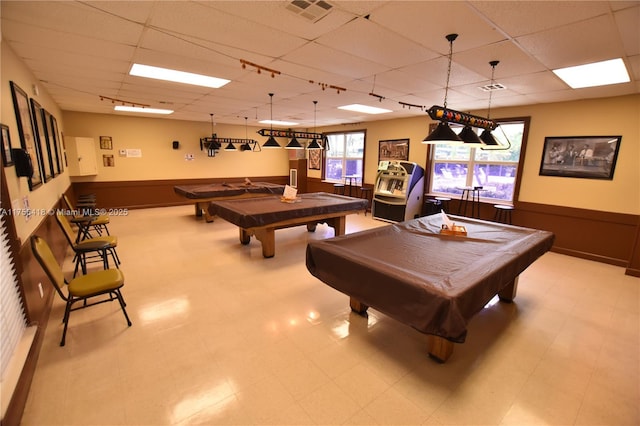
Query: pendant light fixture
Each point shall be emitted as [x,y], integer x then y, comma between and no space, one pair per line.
[314,143]
[443,133]
[294,144]
[271,142]
[246,146]
[490,143]
[469,137]
[210,144]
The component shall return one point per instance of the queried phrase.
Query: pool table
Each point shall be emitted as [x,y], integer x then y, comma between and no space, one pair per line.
[429,280]
[204,194]
[260,217]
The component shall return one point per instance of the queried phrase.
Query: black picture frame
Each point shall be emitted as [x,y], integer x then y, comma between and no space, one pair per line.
[393,150]
[52,141]
[43,142]
[7,157]
[586,157]
[25,131]
[59,139]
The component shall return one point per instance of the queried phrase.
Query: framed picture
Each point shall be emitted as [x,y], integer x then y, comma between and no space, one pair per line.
[108,161]
[42,141]
[106,142]
[59,138]
[394,149]
[7,158]
[53,142]
[315,159]
[591,157]
[25,131]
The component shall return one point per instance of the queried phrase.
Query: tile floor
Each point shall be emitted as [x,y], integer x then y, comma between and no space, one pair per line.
[221,335]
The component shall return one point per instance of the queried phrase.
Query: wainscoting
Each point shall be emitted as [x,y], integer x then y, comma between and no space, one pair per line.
[150,193]
[590,234]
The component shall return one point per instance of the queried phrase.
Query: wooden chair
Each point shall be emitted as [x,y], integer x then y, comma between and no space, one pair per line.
[106,282]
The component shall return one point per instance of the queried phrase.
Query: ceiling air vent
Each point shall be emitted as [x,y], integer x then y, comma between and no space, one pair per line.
[492,87]
[312,10]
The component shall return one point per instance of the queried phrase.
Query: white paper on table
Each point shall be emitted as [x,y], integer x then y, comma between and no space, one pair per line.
[290,192]
[448,223]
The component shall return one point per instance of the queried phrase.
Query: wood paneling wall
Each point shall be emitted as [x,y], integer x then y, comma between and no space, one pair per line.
[612,238]
[150,193]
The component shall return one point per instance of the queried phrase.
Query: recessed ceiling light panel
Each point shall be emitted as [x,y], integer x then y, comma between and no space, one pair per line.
[365,109]
[279,123]
[166,74]
[140,109]
[595,74]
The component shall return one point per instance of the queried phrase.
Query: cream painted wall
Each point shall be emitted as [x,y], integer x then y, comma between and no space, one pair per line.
[154,137]
[44,197]
[594,117]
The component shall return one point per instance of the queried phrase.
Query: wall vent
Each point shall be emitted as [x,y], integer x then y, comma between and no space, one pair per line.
[312,10]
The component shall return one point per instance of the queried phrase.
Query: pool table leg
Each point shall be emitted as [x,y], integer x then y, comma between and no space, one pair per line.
[245,236]
[203,207]
[439,349]
[357,306]
[339,224]
[508,293]
[267,236]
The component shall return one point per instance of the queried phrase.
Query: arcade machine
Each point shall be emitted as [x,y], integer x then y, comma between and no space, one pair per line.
[398,191]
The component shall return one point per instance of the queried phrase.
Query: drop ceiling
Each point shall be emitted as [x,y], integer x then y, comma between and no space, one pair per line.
[333,52]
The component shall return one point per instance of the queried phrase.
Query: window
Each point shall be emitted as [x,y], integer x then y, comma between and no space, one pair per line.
[344,156]
[456,166]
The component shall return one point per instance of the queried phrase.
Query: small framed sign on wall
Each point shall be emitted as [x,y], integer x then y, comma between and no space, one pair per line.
[590,157]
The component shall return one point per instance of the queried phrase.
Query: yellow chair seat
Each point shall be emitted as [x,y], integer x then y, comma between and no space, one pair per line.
[111,240]
[96,282]
[96,221]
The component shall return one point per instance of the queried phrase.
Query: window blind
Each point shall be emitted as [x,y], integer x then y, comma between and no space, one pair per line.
[15,338]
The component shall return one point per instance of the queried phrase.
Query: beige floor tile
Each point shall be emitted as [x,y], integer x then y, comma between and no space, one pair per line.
[221,335]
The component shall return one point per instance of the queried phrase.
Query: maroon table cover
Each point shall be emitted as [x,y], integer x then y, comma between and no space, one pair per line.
[430,281]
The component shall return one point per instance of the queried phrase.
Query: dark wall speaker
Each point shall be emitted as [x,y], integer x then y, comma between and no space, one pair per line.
[22,160]
[176,144]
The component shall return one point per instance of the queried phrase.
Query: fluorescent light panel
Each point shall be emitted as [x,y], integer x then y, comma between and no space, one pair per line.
[365,109]
[595,74]
[166,74]
[140,109]
[279,123]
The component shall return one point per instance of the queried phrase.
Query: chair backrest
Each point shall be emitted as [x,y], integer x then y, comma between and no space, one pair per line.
[47,260]
[66,228]
[68,203]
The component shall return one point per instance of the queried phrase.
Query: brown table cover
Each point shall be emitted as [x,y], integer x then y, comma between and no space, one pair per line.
[256,212]
[430,281]
[227,189]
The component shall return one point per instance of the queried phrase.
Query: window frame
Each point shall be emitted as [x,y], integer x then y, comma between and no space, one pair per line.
[344,157]
[471,162]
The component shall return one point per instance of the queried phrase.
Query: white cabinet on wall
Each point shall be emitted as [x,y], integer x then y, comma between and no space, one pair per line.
[81,153]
